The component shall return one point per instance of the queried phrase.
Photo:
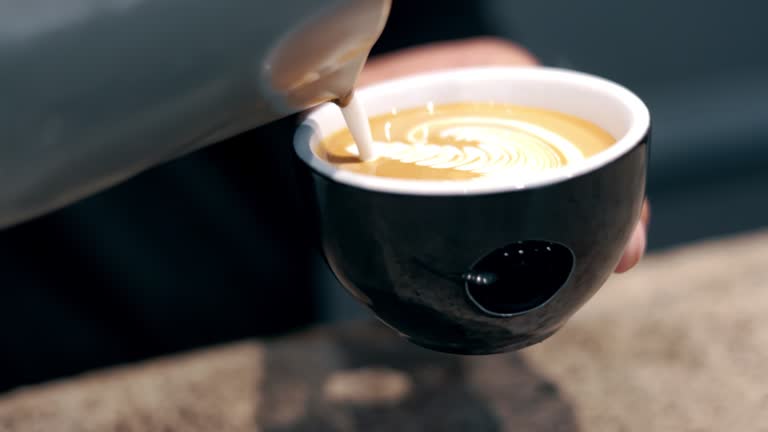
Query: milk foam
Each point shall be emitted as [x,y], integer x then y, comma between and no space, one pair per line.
[484,145]
[357,121]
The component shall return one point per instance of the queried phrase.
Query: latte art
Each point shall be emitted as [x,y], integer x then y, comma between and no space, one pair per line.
[469,140]
[481,145]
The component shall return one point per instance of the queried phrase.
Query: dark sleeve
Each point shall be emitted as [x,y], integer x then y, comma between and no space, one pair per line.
[416,22]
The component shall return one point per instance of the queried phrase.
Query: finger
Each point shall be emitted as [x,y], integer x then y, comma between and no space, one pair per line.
[645,215]
[482,51]
[634,250]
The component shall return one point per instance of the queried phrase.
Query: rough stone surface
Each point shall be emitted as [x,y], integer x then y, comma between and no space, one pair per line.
[679,344]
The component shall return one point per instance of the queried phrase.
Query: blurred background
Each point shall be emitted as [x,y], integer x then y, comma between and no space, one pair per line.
[207,249]
[702,68]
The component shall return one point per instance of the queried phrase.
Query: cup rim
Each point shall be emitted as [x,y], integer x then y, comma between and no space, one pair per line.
[638,130]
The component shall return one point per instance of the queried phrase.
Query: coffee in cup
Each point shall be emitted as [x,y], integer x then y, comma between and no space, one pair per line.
[462,141]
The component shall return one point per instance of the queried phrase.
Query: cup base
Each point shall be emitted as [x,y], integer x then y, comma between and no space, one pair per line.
[478,350]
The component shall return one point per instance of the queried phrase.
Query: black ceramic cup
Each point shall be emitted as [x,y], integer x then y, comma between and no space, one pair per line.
[482,266]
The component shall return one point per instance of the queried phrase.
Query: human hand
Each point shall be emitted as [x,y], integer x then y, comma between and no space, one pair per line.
[481,51]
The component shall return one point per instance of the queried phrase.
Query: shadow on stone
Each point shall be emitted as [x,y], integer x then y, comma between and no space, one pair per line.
[362,377]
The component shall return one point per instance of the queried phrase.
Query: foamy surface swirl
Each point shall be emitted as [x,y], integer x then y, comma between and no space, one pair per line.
[462,141]
[482,145]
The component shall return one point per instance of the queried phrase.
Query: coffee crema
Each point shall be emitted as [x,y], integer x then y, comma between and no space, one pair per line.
[461,141]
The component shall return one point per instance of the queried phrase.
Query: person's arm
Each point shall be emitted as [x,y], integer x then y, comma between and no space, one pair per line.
[413,23]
